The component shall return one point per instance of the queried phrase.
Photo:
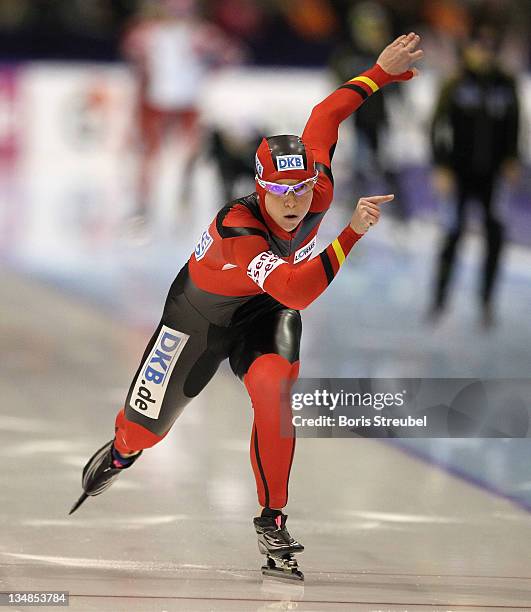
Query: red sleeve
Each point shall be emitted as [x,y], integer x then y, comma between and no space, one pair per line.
[322,126]
[295,286]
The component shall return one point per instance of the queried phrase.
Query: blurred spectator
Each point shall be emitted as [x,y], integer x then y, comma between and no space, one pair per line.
[243,19]
[298,32]
[295,33]
[447,24]
[172,51]
[311,19]
[57,29]
[233,152]
[447,17]
[367,30]
[474,137]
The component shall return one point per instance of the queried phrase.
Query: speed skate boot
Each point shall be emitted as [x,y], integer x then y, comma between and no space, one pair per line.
[101,470]
[275,542]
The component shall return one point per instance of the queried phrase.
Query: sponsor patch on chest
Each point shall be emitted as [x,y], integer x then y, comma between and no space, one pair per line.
[155,372]
[305,251]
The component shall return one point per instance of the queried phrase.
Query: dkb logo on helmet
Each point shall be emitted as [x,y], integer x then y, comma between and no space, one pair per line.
[290,162]
[152,380]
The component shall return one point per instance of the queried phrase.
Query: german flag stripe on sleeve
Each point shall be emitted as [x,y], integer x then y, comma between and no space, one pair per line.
[333,257]
[367,81]
[338,250]
[363,85]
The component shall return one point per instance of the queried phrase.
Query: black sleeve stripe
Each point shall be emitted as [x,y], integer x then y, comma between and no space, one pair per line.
[359,90]
[325,170]
[235,232]
[327,265]
[332,151]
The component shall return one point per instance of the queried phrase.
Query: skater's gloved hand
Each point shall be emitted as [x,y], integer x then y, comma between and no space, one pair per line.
[398,58]
[367,212]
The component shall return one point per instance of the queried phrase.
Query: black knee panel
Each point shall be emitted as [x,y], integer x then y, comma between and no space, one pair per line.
[279,333]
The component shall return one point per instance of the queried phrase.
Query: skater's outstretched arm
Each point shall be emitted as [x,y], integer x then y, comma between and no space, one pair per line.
[298,285]
[393,64]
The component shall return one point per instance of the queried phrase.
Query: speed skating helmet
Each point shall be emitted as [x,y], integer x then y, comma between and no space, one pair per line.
[284,157]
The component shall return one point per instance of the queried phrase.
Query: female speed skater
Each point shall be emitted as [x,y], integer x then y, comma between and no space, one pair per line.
[239,297]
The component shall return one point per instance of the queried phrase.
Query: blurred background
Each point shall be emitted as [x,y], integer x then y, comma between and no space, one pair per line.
[125,125]
[127,122]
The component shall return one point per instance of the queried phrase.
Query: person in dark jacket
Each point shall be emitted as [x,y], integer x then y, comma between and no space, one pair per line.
[475,142]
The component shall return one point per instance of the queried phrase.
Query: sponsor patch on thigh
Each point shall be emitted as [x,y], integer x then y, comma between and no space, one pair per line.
[155,373]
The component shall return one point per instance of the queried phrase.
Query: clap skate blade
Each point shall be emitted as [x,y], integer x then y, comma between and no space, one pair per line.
[100,472]
[282,568]
[79,502]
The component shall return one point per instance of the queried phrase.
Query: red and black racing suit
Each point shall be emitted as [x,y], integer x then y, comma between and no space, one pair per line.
[238,297]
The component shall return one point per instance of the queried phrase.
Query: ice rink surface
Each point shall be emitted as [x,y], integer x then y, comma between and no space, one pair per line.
[385,528]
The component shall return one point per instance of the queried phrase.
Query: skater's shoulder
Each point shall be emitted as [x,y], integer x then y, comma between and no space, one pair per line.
[241,213]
